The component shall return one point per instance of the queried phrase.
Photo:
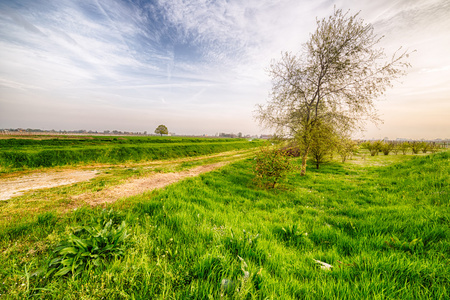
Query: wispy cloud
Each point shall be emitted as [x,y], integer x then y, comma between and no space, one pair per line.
[170,57]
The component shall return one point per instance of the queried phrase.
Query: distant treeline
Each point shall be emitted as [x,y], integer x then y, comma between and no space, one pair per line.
[404,147]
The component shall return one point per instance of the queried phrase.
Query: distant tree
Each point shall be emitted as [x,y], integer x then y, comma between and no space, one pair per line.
[346,148]
[424,147]
[378,147]
[415,147]
[404,147]
[335,80]
[161,129]
[433,147]
[395,148]
[374,147]
[386,147]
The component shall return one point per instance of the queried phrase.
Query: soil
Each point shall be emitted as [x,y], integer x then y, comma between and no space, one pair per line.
[14,185]
[140,185]
[17,186]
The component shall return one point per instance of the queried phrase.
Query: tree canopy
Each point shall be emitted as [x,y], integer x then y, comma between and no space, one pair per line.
[334,81]
[161,129]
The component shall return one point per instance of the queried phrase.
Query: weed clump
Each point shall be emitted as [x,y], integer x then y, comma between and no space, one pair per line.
[89,246]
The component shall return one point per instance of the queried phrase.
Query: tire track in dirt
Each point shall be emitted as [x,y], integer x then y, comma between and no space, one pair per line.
[13,185]
[140,185]
[17,186]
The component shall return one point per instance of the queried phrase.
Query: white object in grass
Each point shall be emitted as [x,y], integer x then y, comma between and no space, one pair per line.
[324,265]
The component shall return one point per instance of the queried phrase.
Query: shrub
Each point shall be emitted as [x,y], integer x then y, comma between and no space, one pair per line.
[271,166]
[292,149]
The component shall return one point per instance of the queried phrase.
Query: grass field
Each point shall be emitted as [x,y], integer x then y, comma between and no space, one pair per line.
[21,154]
[372,228]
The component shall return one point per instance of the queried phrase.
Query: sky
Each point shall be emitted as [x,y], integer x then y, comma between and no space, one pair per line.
[200,66]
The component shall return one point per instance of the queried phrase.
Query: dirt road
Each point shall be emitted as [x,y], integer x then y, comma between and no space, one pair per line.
[18,185]
[140,185]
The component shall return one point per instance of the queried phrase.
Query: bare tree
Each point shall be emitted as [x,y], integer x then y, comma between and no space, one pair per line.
[334,80]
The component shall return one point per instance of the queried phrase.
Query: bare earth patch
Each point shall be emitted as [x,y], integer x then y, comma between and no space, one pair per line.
[13,187]
[140,185]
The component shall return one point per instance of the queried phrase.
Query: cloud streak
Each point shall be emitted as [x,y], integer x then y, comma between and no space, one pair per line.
[201,57]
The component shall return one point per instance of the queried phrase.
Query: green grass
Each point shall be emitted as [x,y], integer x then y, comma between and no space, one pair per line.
[21,209]
[81,141]
[385,229]
[22,154]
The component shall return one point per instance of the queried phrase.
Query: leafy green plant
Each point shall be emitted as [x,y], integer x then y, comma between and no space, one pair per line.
[271,166]
[88,247]
[293,235]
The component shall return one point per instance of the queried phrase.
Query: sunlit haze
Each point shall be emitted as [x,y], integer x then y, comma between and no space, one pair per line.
[199,66]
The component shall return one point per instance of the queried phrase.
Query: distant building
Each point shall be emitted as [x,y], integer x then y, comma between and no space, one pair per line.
[227,135]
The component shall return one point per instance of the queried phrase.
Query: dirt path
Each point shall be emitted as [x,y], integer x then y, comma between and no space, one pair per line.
[17,186]
[140,185]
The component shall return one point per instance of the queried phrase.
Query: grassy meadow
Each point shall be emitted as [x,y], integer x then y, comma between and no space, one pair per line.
[24,154]
[371,228]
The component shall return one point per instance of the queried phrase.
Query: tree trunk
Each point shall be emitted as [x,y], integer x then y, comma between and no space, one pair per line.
[304,158]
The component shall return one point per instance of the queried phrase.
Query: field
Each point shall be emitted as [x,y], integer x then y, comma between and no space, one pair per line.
[20,154]
[375,227]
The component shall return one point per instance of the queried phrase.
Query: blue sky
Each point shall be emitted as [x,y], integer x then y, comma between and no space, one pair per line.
[198,67]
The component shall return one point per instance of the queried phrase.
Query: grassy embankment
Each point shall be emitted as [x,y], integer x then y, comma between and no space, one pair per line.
[382,223]
[25,154]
